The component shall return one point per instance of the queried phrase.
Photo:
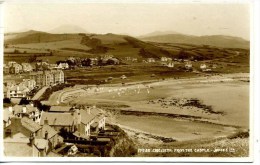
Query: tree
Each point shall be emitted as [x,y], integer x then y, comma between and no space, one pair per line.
[24,101]
[86,62]
[16,51]
[7,100]
[32,59]
[182,54]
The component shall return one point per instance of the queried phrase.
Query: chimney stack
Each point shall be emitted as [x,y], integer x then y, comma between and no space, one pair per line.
[24,109]
[46,122]
[10,109]
[46,135]
[31,138]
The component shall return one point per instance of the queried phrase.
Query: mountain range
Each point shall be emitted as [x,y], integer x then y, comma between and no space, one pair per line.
[213,40]
[168,45]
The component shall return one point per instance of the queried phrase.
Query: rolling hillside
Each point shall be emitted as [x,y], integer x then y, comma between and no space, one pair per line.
[37,37]
[214,40]
[84,45]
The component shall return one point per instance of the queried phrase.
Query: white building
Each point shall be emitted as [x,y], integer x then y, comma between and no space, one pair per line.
[164,59]
[203,66]
[188,66]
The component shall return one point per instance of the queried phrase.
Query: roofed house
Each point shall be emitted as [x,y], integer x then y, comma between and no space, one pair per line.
[81,122]
[58,76]
[59,120]
[188,65]
[150,60]
[92,120]
[164,59]
[42,78]
[29,83]
[63,65]
[170,65]
[53,66]
[15,68]
[26,110]
[100,119]
[6,69]
[60,109]
[40,147]
[10,63]
[203,67]
[17,91]
[17,149]
[26,67]
[93,61]
[21,129]
[41,139]
[85,121]
[50,134]
[41,66]
[48,78]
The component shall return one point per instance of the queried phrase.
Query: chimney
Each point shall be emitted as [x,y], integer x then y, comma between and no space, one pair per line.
[88,110]
[78,116]
[46,135]
[10,109]
[31,138]
[46,122]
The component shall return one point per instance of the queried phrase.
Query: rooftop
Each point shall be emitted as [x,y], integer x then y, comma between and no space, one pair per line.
[50,130]
[86,117]
[19,109]
[19,87]
[60,109]
[41,143]
[14,149]
[59,119]
[30,125]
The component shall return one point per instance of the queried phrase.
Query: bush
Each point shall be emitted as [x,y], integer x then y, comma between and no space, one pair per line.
[240,134]
[7,100]
[49,91]
[24,101]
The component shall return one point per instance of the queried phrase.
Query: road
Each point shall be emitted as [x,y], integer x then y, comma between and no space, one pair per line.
[39,93]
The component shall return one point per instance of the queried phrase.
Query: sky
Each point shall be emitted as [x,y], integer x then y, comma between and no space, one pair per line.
[133,19]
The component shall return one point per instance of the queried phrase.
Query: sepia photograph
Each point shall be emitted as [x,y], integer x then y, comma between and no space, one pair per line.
[149,80]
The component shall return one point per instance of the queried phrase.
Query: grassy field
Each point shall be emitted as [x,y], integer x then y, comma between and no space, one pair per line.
[120,46]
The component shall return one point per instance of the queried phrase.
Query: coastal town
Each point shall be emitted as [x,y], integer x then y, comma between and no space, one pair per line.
[25,123]
[60,129]
[106,86]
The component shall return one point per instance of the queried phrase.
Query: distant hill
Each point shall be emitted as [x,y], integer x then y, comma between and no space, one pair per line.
[118,45]
[70,29]
[36,37]
[85,45]
[213,40]
[158,33]
[16,35]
